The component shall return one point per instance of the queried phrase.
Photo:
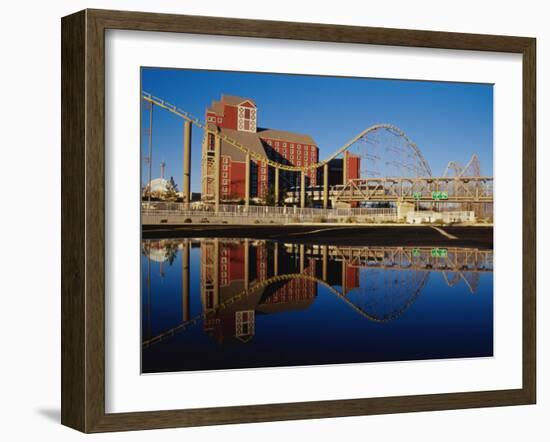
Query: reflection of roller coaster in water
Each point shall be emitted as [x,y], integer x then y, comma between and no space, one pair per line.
[240,279]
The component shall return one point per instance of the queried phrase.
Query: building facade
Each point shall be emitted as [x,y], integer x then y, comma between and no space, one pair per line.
[237,118]
[229,267]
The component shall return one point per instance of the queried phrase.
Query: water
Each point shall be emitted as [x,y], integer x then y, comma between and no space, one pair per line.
[309,305]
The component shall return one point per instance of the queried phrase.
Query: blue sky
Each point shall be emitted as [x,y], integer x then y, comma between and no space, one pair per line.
[447,121]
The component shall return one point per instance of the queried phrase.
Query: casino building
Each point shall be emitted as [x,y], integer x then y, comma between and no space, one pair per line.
[230,267]
[237,118]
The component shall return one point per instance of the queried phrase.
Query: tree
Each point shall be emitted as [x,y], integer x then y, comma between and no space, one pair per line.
[172,184]
[270,198]
[171,193]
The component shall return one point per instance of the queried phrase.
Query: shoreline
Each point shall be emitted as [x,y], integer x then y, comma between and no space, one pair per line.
[474,236]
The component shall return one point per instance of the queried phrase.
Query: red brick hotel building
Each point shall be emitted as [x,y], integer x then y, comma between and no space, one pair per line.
[237,118]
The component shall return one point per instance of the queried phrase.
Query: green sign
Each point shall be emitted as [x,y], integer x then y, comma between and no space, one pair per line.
[440,195]
[417,195]
[439,253]
[416,251]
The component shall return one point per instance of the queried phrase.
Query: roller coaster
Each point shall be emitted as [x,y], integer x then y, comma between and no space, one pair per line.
[393,169]
[394,277]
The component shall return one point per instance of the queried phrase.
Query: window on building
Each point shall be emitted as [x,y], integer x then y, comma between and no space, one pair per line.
[220,120]
[247,119]
[224,175]
[225,160]
[284,144]
[292,145]
[277,143]
[224,182]
[224,167]
[244,323]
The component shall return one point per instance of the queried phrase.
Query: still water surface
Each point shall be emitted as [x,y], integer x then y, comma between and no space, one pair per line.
[234,303]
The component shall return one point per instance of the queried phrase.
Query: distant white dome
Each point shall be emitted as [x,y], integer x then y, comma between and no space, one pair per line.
[158,255]
[159,187]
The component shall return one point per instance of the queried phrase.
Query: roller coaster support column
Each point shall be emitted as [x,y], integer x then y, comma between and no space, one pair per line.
[185,280]
[325,186]
[247,180]
[216,269]
[276,186]
[187,163]
[344,268]
[217,148]
[246,264]
[276,259]
[325,258]
[303,189]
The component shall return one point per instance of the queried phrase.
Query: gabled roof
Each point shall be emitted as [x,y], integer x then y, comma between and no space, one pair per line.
[234,100]
[216,107]
[284,135]
[253,141]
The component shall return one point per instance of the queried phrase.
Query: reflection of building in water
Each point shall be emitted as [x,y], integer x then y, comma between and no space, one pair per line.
[244,279]
[231,267]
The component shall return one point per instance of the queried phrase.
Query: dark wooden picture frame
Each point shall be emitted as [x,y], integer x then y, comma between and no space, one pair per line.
[83,220]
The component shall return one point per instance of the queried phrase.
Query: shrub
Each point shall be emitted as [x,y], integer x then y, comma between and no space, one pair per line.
[319,219]
[187,220]
[204,220]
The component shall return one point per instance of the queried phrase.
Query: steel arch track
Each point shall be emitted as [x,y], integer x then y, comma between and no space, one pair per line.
[287,277]
[255,156]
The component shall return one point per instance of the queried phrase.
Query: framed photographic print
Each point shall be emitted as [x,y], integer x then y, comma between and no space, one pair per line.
[270,220]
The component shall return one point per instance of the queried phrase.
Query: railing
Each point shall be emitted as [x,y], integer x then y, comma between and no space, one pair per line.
[254,212]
